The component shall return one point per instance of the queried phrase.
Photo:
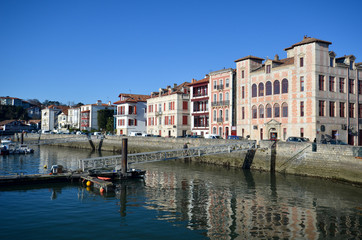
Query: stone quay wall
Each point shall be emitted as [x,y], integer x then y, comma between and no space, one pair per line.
[337,162]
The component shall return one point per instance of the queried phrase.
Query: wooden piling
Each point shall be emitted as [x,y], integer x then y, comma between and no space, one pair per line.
[124,156]
[91,142]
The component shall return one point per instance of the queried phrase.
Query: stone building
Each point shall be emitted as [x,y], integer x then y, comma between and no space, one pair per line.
[311,93]
[168,111]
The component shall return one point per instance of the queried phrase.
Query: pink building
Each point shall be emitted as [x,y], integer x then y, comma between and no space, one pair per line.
[310,93]
[221,99]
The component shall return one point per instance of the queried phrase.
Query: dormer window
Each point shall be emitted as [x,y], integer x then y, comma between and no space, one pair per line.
[268,68]
[351,65]
[331,61]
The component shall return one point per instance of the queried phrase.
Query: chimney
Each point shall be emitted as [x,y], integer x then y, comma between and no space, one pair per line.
[193,80]
[109,103]
[99,102]
[276,57]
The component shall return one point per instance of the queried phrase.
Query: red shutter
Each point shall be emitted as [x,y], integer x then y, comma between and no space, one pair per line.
[135,122]
[184,120]
[185,105]
[135,109]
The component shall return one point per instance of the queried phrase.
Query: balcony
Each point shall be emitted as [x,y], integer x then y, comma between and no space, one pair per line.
[220,103]
[219,87]
[220,120]
[158,113]
[199,94]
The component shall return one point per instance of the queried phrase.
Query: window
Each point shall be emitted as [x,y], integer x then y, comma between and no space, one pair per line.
[359,110]
[359,87]
[242,92]
[268,88]
[185,105]
[285,86]
[331,84]
[341,85]
[285,109]
[351,110]
[242,74]
[321,83]
[302,84]
[332,106]
[221,83]
[301,62]
[227,115]
[268,111]
[220,116]
[276,110]
[261,111]
[214,130]
[215,98]
[351,65]
[243,113]
[261,89]
[227,96]
[302,109]
[342,110]
[214,116]
[215,84]
[254,90]
[227,83]
[254,112]
[321,108]
[184,120]
[351,86]
[276,87]
[268,67]
[220,97]
[331,61]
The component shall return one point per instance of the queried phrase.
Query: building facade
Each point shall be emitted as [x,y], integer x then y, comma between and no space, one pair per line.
[89,115]
[311,94]
[222,104]
[131,113]
[73,119]
[168,111]
[199,106]
[49,118]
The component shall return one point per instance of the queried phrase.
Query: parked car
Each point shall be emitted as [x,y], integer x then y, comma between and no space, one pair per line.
[297,139]
[135,134]
[212,136]
[146,135]
[235,137]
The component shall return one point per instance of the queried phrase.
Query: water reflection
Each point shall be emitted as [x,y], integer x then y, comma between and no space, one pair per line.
[233,204]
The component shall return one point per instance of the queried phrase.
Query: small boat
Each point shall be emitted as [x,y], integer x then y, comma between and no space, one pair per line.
[4,150]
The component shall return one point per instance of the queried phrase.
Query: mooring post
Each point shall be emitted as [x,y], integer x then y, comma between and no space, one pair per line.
[91,142]
[273,153]
[22,137]
[124,156]
[100,144]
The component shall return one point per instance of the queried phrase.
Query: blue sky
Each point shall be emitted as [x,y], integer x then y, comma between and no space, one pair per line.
[85,50]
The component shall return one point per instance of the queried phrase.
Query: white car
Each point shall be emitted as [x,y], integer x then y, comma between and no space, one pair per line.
[212,136]
[135,134]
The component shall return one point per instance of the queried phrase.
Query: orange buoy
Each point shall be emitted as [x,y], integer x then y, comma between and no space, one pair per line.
[101,190]
[89,183]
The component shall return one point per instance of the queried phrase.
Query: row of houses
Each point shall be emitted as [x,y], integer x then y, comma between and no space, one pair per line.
[32,110]
[311,93]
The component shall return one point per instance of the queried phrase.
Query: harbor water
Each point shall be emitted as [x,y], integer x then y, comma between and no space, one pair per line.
[177,200]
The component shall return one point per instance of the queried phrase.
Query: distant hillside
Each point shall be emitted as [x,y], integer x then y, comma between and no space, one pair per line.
[12,112]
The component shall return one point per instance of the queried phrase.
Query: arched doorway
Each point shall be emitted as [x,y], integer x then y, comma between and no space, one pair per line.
[226,132]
